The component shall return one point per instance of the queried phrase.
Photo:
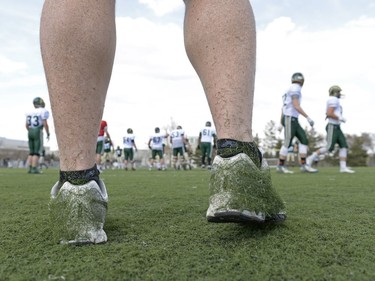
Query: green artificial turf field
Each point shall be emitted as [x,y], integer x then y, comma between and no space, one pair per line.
[157,230]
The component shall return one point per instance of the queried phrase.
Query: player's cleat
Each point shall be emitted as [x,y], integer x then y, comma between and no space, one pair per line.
[347,171]
[234,216]
[78,212]
[245,217]
[35,170]
[283,170]
[308,169]
[241,190]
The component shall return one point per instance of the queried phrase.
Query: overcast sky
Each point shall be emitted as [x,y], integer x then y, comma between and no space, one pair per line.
[329,41]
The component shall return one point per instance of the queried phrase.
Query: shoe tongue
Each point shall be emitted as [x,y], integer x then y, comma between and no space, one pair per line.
[228,147]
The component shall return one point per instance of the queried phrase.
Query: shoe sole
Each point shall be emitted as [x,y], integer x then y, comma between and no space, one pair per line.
[239,217]
[235,217]
[277,218]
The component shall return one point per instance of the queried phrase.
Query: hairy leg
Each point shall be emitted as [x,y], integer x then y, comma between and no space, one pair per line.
[220,42]
[78,39]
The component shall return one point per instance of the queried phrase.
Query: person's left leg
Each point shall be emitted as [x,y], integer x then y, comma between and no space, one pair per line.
[343,152]
[220,42]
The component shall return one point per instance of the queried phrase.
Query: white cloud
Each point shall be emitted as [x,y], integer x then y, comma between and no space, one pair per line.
[8,66]
[153,81]
[363,21]
[280,26]
[333,56]
[162,7]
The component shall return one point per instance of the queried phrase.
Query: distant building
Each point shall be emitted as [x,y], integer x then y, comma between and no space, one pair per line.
[15,149]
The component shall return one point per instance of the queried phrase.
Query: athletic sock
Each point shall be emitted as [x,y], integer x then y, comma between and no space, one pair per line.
[228,147]
[80,177]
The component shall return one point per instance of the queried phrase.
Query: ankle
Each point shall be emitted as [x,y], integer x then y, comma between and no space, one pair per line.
[228,147]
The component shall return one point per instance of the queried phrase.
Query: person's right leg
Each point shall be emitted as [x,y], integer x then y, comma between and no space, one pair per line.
[220,43]
[78,45]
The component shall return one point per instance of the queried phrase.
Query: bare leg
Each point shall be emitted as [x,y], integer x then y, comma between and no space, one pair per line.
[78,46]
[78,39]
[220,42]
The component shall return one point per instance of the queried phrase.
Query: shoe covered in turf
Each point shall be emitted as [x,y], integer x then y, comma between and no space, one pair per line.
[78,212]
[240,186]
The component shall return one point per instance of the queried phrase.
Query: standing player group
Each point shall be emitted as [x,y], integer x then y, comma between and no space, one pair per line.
[177,140]
[180,149]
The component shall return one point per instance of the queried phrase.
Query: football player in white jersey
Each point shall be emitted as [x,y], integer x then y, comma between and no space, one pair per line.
[108,153]
[156,144]
[129,143]
[36,120]
[119,163]
[178,140]
[206,136]
[289,119]
[45,115]
[334,133]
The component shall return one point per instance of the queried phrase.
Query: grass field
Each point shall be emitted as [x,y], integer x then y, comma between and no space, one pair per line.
[157,230]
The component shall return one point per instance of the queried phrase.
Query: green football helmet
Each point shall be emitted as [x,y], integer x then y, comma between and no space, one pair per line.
[208,124]
[298,78]
[38,102]
[335,91]
[130,131]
